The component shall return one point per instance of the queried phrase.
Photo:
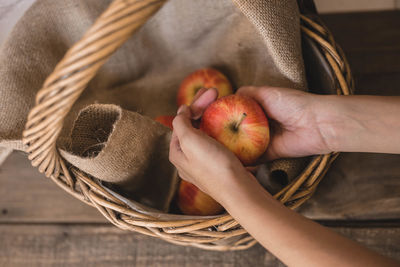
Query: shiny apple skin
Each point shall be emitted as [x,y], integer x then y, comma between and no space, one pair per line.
[203,78]
[165,120]
[250,139]
[193,201]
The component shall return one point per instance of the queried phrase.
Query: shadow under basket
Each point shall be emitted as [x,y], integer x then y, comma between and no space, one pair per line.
[326,68]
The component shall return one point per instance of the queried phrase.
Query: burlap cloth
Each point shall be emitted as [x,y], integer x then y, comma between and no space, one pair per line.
[254,42]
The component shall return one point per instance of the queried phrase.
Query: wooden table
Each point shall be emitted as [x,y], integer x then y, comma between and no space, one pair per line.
[41,225]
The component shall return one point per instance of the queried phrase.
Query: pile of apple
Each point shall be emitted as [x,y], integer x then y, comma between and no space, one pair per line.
[236,121]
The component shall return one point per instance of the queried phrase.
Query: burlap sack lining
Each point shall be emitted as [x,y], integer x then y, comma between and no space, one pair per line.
[259,46]
[136,146]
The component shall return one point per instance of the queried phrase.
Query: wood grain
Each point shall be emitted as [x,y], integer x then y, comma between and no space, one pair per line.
[362,186]
[378,84]
[41,225]
[370,62]
[58,245]
[370,40]
[369,31]
[353,5]
[27,196]
[359,186]
[87,245]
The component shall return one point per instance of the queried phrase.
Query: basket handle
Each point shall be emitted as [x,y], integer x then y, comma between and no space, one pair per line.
[71,76]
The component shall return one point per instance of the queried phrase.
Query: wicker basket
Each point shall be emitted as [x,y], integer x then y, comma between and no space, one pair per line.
[70,77]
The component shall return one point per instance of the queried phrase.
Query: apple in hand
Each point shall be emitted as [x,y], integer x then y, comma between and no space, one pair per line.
[165,120]
[240,124]
[203,78]
[192,201]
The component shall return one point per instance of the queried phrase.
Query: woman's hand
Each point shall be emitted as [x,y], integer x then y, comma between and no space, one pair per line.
[295,127]
[199,158]
[304,124]
[307,124]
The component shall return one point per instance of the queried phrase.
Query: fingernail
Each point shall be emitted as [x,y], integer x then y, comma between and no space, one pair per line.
[199,93]
[195,110]
[182,109]
[202,95]
[202,102]
[196,115]
[205,95]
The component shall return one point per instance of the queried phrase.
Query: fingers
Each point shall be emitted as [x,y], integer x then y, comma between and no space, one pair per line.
[270,98]
[185,111]
[176,155]
[199,93]
[183,128]
[272,151]
[260,94]
[202,100]
[251,91]
[182,121]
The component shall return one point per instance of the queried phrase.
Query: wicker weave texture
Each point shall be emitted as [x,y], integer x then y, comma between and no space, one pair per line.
[71,76]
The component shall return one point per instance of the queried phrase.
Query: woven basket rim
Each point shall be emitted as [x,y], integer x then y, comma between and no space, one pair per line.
[220,232]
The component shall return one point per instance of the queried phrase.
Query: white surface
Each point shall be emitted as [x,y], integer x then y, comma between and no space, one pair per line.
[10,12]
[331,6]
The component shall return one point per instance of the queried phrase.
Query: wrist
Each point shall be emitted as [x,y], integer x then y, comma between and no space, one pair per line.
[242,187]
[330,121]
[359,123]
[346,124]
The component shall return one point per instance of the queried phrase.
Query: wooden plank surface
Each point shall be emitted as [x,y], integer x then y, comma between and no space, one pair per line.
[374,61]
[28,196]
[41,225]
[90,245]
[369,31]
[378,84]
[364,186]
[370,40]
[77,245]
[359,186]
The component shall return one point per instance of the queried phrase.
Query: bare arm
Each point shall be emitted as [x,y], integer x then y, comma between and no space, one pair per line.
[311,124]
[292,238]
[360,123]
[305,124]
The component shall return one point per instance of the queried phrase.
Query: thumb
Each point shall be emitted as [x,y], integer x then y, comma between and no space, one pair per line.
[183,125]
[202,102]
[257,93]
[270,99]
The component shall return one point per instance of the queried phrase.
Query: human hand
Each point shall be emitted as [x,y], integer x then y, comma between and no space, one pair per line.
[200,159]
[295,125]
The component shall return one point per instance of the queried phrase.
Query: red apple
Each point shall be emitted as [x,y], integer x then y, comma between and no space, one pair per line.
[239,123]
[165,120]
[203,78]
[192,201]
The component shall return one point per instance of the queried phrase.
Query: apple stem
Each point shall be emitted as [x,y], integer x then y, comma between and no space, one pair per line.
[244,115]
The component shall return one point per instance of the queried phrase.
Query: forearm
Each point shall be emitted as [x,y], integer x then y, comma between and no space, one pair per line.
[292,238]
[360,123]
